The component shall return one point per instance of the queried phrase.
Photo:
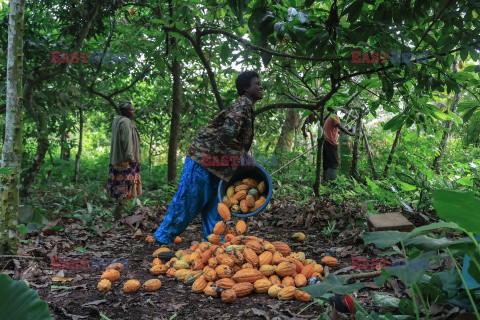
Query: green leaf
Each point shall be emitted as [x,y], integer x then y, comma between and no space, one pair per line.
[19,302]
[466,181]
[384,239]
[406,186]
[409,273]
[6,170]
[460,207]
[434,226]
[332,284]
[22,229]
[308,3]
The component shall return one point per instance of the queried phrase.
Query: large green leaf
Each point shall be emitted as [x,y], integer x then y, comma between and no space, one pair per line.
[462,208]
[19,302]
[384,239]
[333,284]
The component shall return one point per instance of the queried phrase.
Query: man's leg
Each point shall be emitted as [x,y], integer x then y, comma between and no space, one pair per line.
[186,204]
[210,215]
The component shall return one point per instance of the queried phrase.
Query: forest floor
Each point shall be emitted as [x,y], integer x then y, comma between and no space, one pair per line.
[78,298]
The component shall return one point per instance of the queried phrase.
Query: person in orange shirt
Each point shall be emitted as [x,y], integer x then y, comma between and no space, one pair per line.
[330,147]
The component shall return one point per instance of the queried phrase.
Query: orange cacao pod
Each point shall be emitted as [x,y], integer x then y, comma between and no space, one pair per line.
[152,285]
[111,275]
[240,195]
[308,270]
[277,258]
[131,286]
[224,271]
[288,281]
[247,275]
[285,269]
[213,263]
[228,296]
[274,279]
[250,256]
[242,187]
[241,227]
[210,274]
[252,183]
[212,290]
[247,266]
[214,238]
[267,270]
[250,201]
[199,284]
[302,296]
[117,266]
[282,247]
[330,261]
[171,272]
[265,258]
[300,280]
[157,269]
[255,246]
[243,288]
[318,268]
[219,228]
[224,211]
[225,283]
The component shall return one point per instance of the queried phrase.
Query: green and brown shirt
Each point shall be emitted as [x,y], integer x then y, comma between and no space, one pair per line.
[219,146]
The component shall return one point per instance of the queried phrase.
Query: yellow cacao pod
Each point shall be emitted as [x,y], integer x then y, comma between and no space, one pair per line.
[274,290]
[286,269]
[227,202]
[230,191]
[265,258]
[267,270]
[262,285]
[104,285]
[274,279]
[287,293]
[298,236]
[300,280]
[261,187]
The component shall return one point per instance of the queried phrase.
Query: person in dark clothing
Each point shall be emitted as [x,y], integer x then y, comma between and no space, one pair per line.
[330,147]
[214,154]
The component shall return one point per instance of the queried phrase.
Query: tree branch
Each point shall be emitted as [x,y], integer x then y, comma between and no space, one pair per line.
[286,105]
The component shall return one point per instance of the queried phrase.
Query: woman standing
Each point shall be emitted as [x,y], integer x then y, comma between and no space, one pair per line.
[124,179]
[229,136]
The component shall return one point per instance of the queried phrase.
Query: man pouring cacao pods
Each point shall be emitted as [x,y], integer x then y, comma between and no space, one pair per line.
[214,154]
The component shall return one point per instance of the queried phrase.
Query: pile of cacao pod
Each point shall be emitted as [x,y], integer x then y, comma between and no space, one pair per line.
[112,274]
[245,196]
[240,265]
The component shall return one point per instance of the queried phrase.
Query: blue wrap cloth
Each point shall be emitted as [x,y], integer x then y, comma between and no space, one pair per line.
[197,193]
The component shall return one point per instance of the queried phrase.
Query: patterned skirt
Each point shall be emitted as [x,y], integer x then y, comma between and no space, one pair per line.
[124,180]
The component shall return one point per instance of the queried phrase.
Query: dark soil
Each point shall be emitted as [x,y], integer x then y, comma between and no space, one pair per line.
[175,299]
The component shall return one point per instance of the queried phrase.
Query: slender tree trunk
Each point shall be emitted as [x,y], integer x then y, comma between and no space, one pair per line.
[448,124]
[320,141]
[392,151]
[150,153]
[80,142]
[175,122]
[285,140]
[369,153]
[353,167]
[28,177]
[12,148]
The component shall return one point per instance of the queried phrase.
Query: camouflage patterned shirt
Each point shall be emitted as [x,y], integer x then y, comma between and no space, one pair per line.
[219,146]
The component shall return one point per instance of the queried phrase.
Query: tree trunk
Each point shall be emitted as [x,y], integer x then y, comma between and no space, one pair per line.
[12,147]
[369,153]
[448,125]
[285,140]
[175,122]
[353,167]
[392,151]
[79,152]
[28,177]
[150,152]
[320,141]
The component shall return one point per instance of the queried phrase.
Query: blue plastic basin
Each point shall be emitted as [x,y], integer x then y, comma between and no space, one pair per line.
[256,172]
